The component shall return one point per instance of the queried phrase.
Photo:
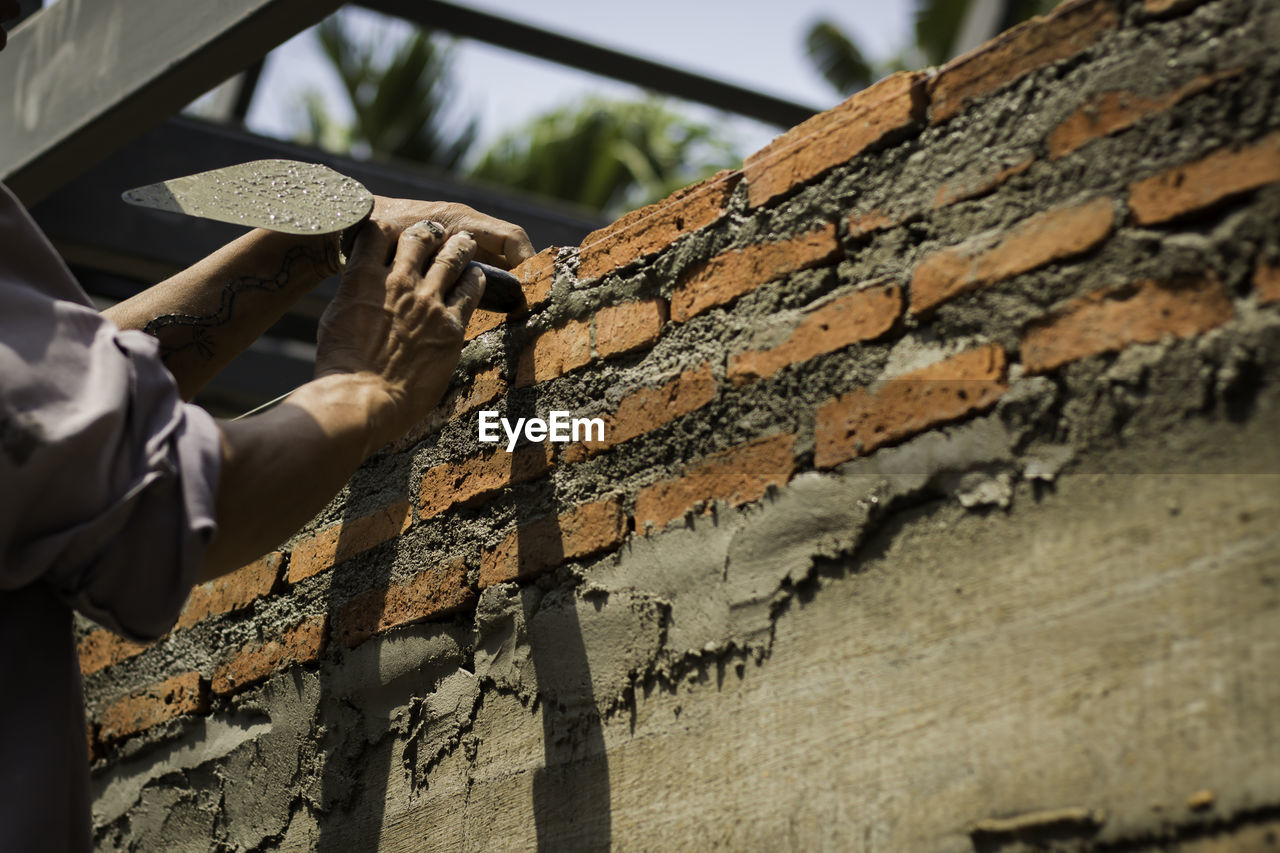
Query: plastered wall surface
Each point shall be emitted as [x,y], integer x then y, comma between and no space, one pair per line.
[938,508]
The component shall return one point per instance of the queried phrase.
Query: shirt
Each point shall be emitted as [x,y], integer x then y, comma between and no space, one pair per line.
[107,484]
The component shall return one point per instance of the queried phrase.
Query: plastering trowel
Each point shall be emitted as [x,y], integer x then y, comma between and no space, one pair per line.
[295,198]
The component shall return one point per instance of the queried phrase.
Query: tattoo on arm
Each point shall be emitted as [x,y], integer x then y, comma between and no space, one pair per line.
[180,332]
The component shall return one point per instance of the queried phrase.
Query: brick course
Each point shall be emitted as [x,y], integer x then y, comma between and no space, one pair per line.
[645,231]
[452,484]
[740,475]
[1194,186]
[327,546]
[1114,318]
[649,408]
[835,137]
[737,271]
[630,326]
[99,649]
[545,543]
[432,593]
[857,423]
[151,706]
[862,315]
[1035,241]
[303,643]
[1068,30]
[233,591]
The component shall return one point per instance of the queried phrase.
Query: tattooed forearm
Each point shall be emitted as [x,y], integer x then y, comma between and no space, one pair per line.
[179,332]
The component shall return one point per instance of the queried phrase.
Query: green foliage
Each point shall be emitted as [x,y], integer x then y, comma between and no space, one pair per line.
[397,103]
[837,58]
[610,156]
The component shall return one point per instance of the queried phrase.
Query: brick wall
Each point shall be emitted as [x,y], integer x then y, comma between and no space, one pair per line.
[1066,238]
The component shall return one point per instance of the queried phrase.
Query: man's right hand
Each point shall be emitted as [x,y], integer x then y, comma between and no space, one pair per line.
[398,319]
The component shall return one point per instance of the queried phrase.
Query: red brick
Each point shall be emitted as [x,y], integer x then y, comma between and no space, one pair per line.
[737,271]
[537,275]
[1158,7]
[99,649]
[453,484]
[1112,319]
[545,543]
[483,321]
[430,594]
[1112,112]
[1195,186]
[651,229]
[324,548]
[554,353]
[739,475]
[863,420]
[151,706]
[232,591]
[1266,280]
[649,408]
[486,386]
[835,137]
[303,643]
[1069,29]
[859,316]
[971,186]
[1035,241]
[862,224]
[629,327]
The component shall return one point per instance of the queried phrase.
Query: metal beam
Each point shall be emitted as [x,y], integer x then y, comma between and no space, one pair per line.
[533,41]
[85,76]
[93,228]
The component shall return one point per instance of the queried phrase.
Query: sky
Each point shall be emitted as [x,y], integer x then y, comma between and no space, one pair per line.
[757,44]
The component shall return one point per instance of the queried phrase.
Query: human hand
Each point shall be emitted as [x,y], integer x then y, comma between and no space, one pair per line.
[498,242]
[398,318]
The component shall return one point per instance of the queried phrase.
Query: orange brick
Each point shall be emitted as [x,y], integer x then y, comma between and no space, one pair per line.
[458,483]
[1158,7]
[545,543]
[863,420]
[233,591]
[651,229]
[430,594]
[629,327]
[537,275]
[99,649]
[483,321]
[859,316]
[1068,30]
[1035,241]
[862,224]
[1266,280]
[973,186]
[486,386]
[739,475]
[554,353]
[1112,319]
[649,408]
[834,137]
[330,545]
[303,643]
[1112,112]
[737,271]
[153,705]
[1195,186]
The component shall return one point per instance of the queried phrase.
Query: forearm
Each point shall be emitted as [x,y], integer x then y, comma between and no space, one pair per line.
[208,314]
[281,467]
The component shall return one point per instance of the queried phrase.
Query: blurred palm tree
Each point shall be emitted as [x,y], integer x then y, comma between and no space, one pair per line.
[610,156]
[938,25]
[398,104]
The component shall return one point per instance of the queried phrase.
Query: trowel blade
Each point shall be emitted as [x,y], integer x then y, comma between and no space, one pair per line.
[280,195]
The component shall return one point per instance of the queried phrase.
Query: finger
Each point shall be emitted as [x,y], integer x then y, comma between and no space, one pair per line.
[448,264]
[373,245]
[466,295]
[500,243]
[416,246]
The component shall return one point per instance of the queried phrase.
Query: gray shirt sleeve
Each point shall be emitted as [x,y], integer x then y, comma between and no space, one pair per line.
[107,479]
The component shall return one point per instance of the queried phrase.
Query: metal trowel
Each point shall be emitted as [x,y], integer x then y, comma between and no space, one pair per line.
[295,198]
